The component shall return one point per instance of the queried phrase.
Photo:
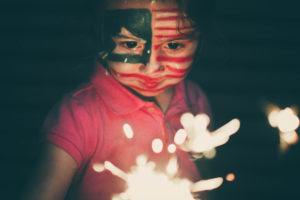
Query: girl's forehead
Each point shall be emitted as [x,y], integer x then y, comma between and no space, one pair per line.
[145,4]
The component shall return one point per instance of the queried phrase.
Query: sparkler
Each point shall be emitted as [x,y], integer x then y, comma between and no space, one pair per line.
[287,121]
[145,183]
[196,138]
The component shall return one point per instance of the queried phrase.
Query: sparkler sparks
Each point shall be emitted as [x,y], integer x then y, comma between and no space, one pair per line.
[145,183]
[128,131]
[230,177]
[157,145]
[287,121]
[172,148]
[198,139]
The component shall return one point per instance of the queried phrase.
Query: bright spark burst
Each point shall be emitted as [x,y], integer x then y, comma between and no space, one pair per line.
[287,122]
[196,138]
[144,183]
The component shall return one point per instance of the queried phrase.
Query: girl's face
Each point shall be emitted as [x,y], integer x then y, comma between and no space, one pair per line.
[149,45]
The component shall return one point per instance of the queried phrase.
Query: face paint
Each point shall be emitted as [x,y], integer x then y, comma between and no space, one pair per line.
[126,24]
[150,50]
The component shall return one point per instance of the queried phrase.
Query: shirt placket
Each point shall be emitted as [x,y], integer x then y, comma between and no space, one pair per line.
[159,117]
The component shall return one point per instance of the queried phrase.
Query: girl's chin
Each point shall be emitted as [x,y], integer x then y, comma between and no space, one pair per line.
[148,93]
[145,93]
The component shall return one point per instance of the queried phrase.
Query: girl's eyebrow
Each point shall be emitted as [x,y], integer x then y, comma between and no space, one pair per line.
[181,37]
[122,36]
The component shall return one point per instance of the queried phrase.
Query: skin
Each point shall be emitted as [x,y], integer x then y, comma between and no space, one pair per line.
[53,175]
[167,64]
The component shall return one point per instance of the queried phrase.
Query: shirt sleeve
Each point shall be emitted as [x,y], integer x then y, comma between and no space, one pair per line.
[69,126]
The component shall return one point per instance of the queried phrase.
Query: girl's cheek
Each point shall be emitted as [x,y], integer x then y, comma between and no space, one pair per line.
[124,67]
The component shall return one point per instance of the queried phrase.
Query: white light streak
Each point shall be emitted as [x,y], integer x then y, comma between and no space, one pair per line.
[98,167]
[128,131]
[187,120]
[180,137]
[209,184]
[199,138]
[172,166]
[157,145]
[210,154]
[115,170]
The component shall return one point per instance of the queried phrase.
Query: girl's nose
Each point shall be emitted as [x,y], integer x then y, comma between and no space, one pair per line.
[153,66]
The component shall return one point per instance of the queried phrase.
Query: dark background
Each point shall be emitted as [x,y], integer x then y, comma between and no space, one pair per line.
[46,49]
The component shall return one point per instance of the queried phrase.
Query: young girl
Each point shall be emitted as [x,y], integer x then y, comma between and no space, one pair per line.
[147,49]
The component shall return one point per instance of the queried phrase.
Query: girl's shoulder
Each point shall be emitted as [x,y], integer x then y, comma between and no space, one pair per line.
[194,90]
[197,98]
[83,96]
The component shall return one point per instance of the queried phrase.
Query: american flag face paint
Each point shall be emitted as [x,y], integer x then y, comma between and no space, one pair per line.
[150,49]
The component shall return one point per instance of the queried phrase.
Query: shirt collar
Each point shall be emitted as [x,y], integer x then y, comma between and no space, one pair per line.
[120,100]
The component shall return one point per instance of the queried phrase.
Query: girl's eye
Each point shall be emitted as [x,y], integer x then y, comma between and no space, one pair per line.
[174,45]
[130,44]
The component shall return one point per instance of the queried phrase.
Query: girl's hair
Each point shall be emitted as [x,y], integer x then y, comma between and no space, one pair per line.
[200,12]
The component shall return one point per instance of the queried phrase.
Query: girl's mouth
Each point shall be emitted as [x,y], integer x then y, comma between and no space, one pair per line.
[150,84]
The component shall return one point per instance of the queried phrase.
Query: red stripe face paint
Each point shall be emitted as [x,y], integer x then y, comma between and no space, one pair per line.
[173,45]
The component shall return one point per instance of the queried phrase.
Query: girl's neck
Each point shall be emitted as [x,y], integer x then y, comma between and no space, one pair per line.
[163,100]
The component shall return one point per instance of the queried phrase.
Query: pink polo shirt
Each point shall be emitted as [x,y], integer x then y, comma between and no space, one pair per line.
[88,125]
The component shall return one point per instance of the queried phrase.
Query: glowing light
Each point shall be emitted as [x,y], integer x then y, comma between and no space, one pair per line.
[272,117]
[141,160]
[98,167]
[187,120]
[289,137]
[200,139]
[230,177]
[157,145]
[146,184]
[287,122]
[172,166]
[128,131]
[204,185]
[210,154]
[180,137]
[172,148]
[115,171]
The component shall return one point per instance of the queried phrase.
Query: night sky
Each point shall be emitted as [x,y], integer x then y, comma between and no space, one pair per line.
[48,47]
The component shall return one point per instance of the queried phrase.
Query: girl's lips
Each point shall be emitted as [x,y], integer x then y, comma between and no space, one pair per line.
[151,90]
[149,85]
